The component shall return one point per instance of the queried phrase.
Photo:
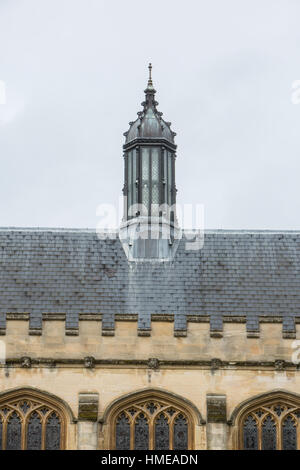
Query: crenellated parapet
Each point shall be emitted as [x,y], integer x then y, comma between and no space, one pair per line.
[163,341]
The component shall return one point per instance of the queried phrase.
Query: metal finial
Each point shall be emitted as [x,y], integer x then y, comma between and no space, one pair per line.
[150,75]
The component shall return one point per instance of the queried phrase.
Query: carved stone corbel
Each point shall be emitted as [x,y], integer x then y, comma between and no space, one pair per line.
[89,362]
[215,363]
[26,362]
[153,363]
[280,364]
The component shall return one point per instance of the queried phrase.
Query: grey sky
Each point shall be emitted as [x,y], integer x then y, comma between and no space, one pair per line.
[75,72]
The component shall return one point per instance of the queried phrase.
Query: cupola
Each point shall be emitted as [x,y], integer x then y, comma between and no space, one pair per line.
[149,178]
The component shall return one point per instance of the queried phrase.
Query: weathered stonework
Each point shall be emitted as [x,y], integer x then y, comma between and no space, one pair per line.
[87,435]
[88,406]
[216,427]
[198,327]
[76,367]
[216,408]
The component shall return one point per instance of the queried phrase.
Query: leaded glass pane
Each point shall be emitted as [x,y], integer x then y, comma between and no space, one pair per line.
[180,433]
[165,422]
[134,177]
[34,432]
[53,432]
[145,199]
[165,157]
[13,436]
[162,439]
[154,165]
[278,410]
[155,181]
[145,180]
[155,194]
[129,169]
[141,433]
[24,407]
[268,434]
[151,407]
[122,433]
[289,434]
[155,200]
[170,178]
[250,434]
[145,164]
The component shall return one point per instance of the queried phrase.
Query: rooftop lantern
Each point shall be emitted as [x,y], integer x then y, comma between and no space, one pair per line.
[149,187]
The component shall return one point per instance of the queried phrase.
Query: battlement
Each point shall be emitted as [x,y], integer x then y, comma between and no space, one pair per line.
[199,344]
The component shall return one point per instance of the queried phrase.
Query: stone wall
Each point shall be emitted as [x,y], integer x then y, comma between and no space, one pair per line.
[230,367]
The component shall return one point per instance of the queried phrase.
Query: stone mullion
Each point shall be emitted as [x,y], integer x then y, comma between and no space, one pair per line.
[259,435]
[132,424]
[151,433]
[171,430]
[24,431]
[278,424]
[4,433]
[44,433]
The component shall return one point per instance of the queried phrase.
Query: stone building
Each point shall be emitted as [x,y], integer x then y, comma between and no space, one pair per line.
[139,342]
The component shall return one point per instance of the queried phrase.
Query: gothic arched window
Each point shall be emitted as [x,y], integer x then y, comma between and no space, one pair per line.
[152,422]
[271,424]
[27,421]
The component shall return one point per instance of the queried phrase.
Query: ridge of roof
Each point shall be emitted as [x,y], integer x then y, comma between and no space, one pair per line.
[93,230]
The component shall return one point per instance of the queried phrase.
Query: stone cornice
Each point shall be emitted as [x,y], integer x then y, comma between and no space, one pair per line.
[151,363]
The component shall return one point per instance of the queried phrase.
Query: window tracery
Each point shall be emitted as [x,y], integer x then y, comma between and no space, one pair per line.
[30,423]
[270,426]
[153,423]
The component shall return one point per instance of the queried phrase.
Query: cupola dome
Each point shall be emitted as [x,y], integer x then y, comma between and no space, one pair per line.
[150,124]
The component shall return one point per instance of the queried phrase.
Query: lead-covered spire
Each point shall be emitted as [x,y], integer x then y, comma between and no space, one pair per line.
[149,123]
[150,83]
[150,90]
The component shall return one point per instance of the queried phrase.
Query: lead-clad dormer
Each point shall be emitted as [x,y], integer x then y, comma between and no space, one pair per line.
[149,180]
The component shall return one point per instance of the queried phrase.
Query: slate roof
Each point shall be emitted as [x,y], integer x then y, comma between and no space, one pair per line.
[247,273]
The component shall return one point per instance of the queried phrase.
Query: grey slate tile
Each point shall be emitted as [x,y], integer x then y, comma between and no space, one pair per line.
[73,271]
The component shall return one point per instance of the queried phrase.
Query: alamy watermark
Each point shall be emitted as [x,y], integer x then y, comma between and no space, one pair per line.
[296,354]
[2,352]
[164,222]
[2,92]
[295,96]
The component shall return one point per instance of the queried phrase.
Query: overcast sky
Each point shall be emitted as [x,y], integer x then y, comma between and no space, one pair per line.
[75,71]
